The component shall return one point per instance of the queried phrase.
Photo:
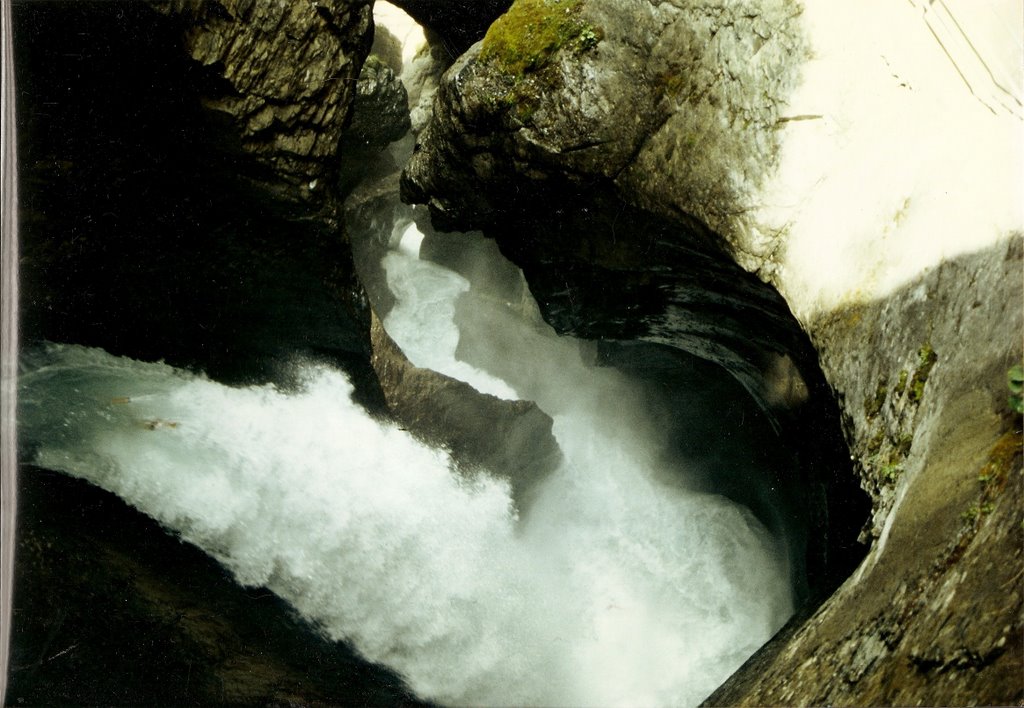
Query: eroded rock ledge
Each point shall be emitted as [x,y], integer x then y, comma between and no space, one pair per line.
[674,106]
[508,439]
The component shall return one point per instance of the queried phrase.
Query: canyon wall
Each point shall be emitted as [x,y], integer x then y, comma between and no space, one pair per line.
[869,175]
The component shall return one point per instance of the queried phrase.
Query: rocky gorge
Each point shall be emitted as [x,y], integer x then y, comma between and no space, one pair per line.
[201,183]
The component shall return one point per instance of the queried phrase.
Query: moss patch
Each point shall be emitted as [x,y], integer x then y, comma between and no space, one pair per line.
[890,412]
[1003,459]
[926,358]
[524,39]
[873,404]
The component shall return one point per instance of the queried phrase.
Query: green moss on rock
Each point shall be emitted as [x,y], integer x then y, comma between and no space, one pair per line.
[873,405]
[524,39]
[901,383]
[926,358]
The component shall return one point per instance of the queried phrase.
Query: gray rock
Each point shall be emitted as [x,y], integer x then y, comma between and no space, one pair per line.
[510,440]
[380,113]
[670,105]
[934,615]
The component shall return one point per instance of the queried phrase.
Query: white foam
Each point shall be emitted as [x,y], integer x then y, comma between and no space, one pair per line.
[616,590]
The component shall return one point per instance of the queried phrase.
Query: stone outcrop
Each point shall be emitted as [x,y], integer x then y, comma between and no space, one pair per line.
[933,616]
[111,609]
[510,440]
[285,75]
[703,114]
[673,104]
[380,115]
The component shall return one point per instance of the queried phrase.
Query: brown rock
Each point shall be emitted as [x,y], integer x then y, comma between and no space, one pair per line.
[508,439]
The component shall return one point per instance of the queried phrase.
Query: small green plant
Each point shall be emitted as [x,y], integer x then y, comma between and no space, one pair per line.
[976,510]
[587,39]
[901,383]
[891,472]
[1015,382]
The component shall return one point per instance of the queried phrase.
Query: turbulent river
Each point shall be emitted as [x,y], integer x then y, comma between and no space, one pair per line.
[609,587]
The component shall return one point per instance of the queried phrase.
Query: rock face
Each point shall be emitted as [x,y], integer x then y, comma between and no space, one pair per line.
[933,616]
[380,115]
[673,104]
[766,136]
[112,610]
[285,74]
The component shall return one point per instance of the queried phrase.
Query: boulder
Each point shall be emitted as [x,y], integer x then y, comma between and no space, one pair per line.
[284,74]
[675,104]
[111,609]
[380,115]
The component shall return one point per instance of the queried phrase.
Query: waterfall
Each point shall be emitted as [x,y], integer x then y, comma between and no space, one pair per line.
[610,588]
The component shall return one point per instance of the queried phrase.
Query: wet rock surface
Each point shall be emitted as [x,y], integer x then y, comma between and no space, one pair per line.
[284,74]
[380,115]
[934,615]
[380,110]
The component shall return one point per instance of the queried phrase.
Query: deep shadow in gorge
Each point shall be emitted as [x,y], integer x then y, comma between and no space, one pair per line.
[670,307]
[145,231]
[146,228]
[122,613]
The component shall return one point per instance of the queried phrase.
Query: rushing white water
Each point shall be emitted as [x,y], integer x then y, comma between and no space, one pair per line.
[613,589]
[422,318]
